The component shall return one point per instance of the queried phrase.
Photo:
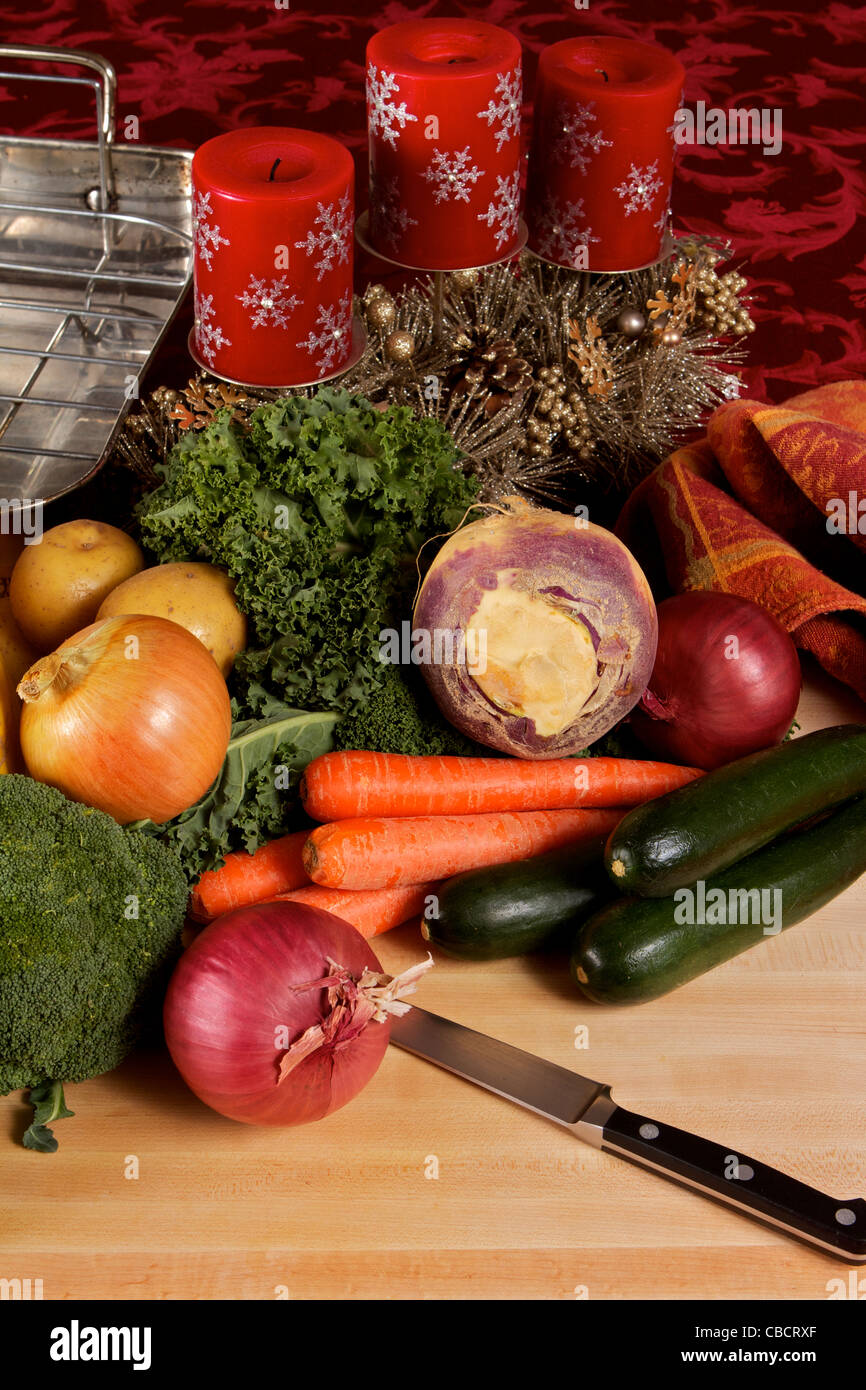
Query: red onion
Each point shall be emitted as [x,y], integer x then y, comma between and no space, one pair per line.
[725,683]
[277,1014]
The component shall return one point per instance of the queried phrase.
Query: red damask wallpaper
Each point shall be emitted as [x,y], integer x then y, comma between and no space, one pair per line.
[190,70]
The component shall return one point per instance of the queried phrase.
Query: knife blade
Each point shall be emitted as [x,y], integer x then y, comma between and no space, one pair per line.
[587,1109]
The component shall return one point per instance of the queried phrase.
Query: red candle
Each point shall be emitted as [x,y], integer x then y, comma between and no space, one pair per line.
[273,214]
[602,156]
[443,116]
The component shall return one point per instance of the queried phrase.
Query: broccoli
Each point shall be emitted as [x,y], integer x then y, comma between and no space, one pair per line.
[402,717]
[90,923]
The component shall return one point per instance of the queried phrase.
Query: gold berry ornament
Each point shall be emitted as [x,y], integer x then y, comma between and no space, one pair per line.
[381,312]
[399,346]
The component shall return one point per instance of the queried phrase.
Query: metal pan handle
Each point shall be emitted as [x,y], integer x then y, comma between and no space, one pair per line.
[78,57]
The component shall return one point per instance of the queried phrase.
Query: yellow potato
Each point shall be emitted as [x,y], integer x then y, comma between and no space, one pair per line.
[197,596]
[58,584]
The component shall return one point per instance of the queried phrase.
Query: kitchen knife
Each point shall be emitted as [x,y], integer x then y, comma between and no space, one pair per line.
[586,1108]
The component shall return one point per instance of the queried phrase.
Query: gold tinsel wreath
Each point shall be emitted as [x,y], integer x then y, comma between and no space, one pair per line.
[543,376]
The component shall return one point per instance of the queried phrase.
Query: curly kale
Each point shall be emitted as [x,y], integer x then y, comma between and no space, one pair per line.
[90,922]
[317,512]
[402,717]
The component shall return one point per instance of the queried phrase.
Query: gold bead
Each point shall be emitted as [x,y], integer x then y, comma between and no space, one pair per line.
[381,312]
[464,279]
[399,345]
[671,337]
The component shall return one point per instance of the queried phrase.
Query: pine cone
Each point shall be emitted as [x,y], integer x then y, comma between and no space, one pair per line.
[490,367]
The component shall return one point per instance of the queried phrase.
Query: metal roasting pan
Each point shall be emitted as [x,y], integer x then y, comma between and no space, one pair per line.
[96,243]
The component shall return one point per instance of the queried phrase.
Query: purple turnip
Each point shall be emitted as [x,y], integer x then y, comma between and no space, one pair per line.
[551,630]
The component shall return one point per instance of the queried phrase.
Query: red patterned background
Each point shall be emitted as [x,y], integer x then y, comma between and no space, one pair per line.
[189,71]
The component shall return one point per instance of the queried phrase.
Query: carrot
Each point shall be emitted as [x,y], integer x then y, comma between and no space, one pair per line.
[371,911]
[250,878]
[385,853]
[337,786]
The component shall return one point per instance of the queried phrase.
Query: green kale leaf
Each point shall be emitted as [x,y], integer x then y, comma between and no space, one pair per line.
[254,799]
[317,512]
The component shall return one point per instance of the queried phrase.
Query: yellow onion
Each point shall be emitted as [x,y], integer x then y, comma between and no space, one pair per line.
[130,715]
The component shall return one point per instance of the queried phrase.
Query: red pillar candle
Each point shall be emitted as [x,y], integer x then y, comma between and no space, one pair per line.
[602,155]
[443,116]
[273,214]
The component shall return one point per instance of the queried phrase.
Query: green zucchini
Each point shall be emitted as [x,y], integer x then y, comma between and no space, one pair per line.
[731,812]
[509,909]
[639,948]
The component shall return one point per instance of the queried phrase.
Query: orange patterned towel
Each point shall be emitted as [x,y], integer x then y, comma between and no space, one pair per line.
[797,473]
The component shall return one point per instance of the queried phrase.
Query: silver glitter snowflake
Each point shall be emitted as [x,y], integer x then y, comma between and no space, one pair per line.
[385,117]
[209,337]
[575,142]
[452,175]
[662,220]
[503,212]
[672,129]
[207,237]
[389,218]
[638,191]
[269,303]
[333,237]
[562,237]
[504,107]
[334,323]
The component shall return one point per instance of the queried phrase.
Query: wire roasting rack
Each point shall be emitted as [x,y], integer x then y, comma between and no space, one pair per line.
[96,245]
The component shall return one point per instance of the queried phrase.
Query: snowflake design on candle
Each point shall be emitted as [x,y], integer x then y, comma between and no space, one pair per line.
[207,237]
[504,209]
[334,235]
[638,191]
[390,219]
[334,323]
[384,115]
[672,129]
[270,303]
[662,221]
[505,109]
[209,337]
[561,235]
[452,175]
[575,143]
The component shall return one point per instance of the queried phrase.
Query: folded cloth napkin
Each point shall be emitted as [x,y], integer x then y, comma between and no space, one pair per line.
[746,510]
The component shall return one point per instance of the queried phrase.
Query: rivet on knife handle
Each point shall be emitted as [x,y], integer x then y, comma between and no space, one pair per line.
[740,1182]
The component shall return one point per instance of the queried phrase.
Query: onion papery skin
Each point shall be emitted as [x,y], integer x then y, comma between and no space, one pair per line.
[231,993]
[560,568]
[141,738]
[703,708]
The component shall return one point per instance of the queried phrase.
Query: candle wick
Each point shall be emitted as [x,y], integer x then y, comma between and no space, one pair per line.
[603,73]
[277,161]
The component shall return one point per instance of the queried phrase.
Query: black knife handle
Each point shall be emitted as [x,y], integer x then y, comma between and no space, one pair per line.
[738,1181]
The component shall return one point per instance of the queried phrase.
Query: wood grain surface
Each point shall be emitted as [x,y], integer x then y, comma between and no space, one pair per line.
[765,1054]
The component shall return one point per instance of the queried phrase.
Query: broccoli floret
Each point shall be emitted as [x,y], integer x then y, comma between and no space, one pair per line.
[90,922]
[401,717]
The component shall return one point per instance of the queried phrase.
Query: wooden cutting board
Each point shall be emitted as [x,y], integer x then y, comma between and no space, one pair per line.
[426,1187]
